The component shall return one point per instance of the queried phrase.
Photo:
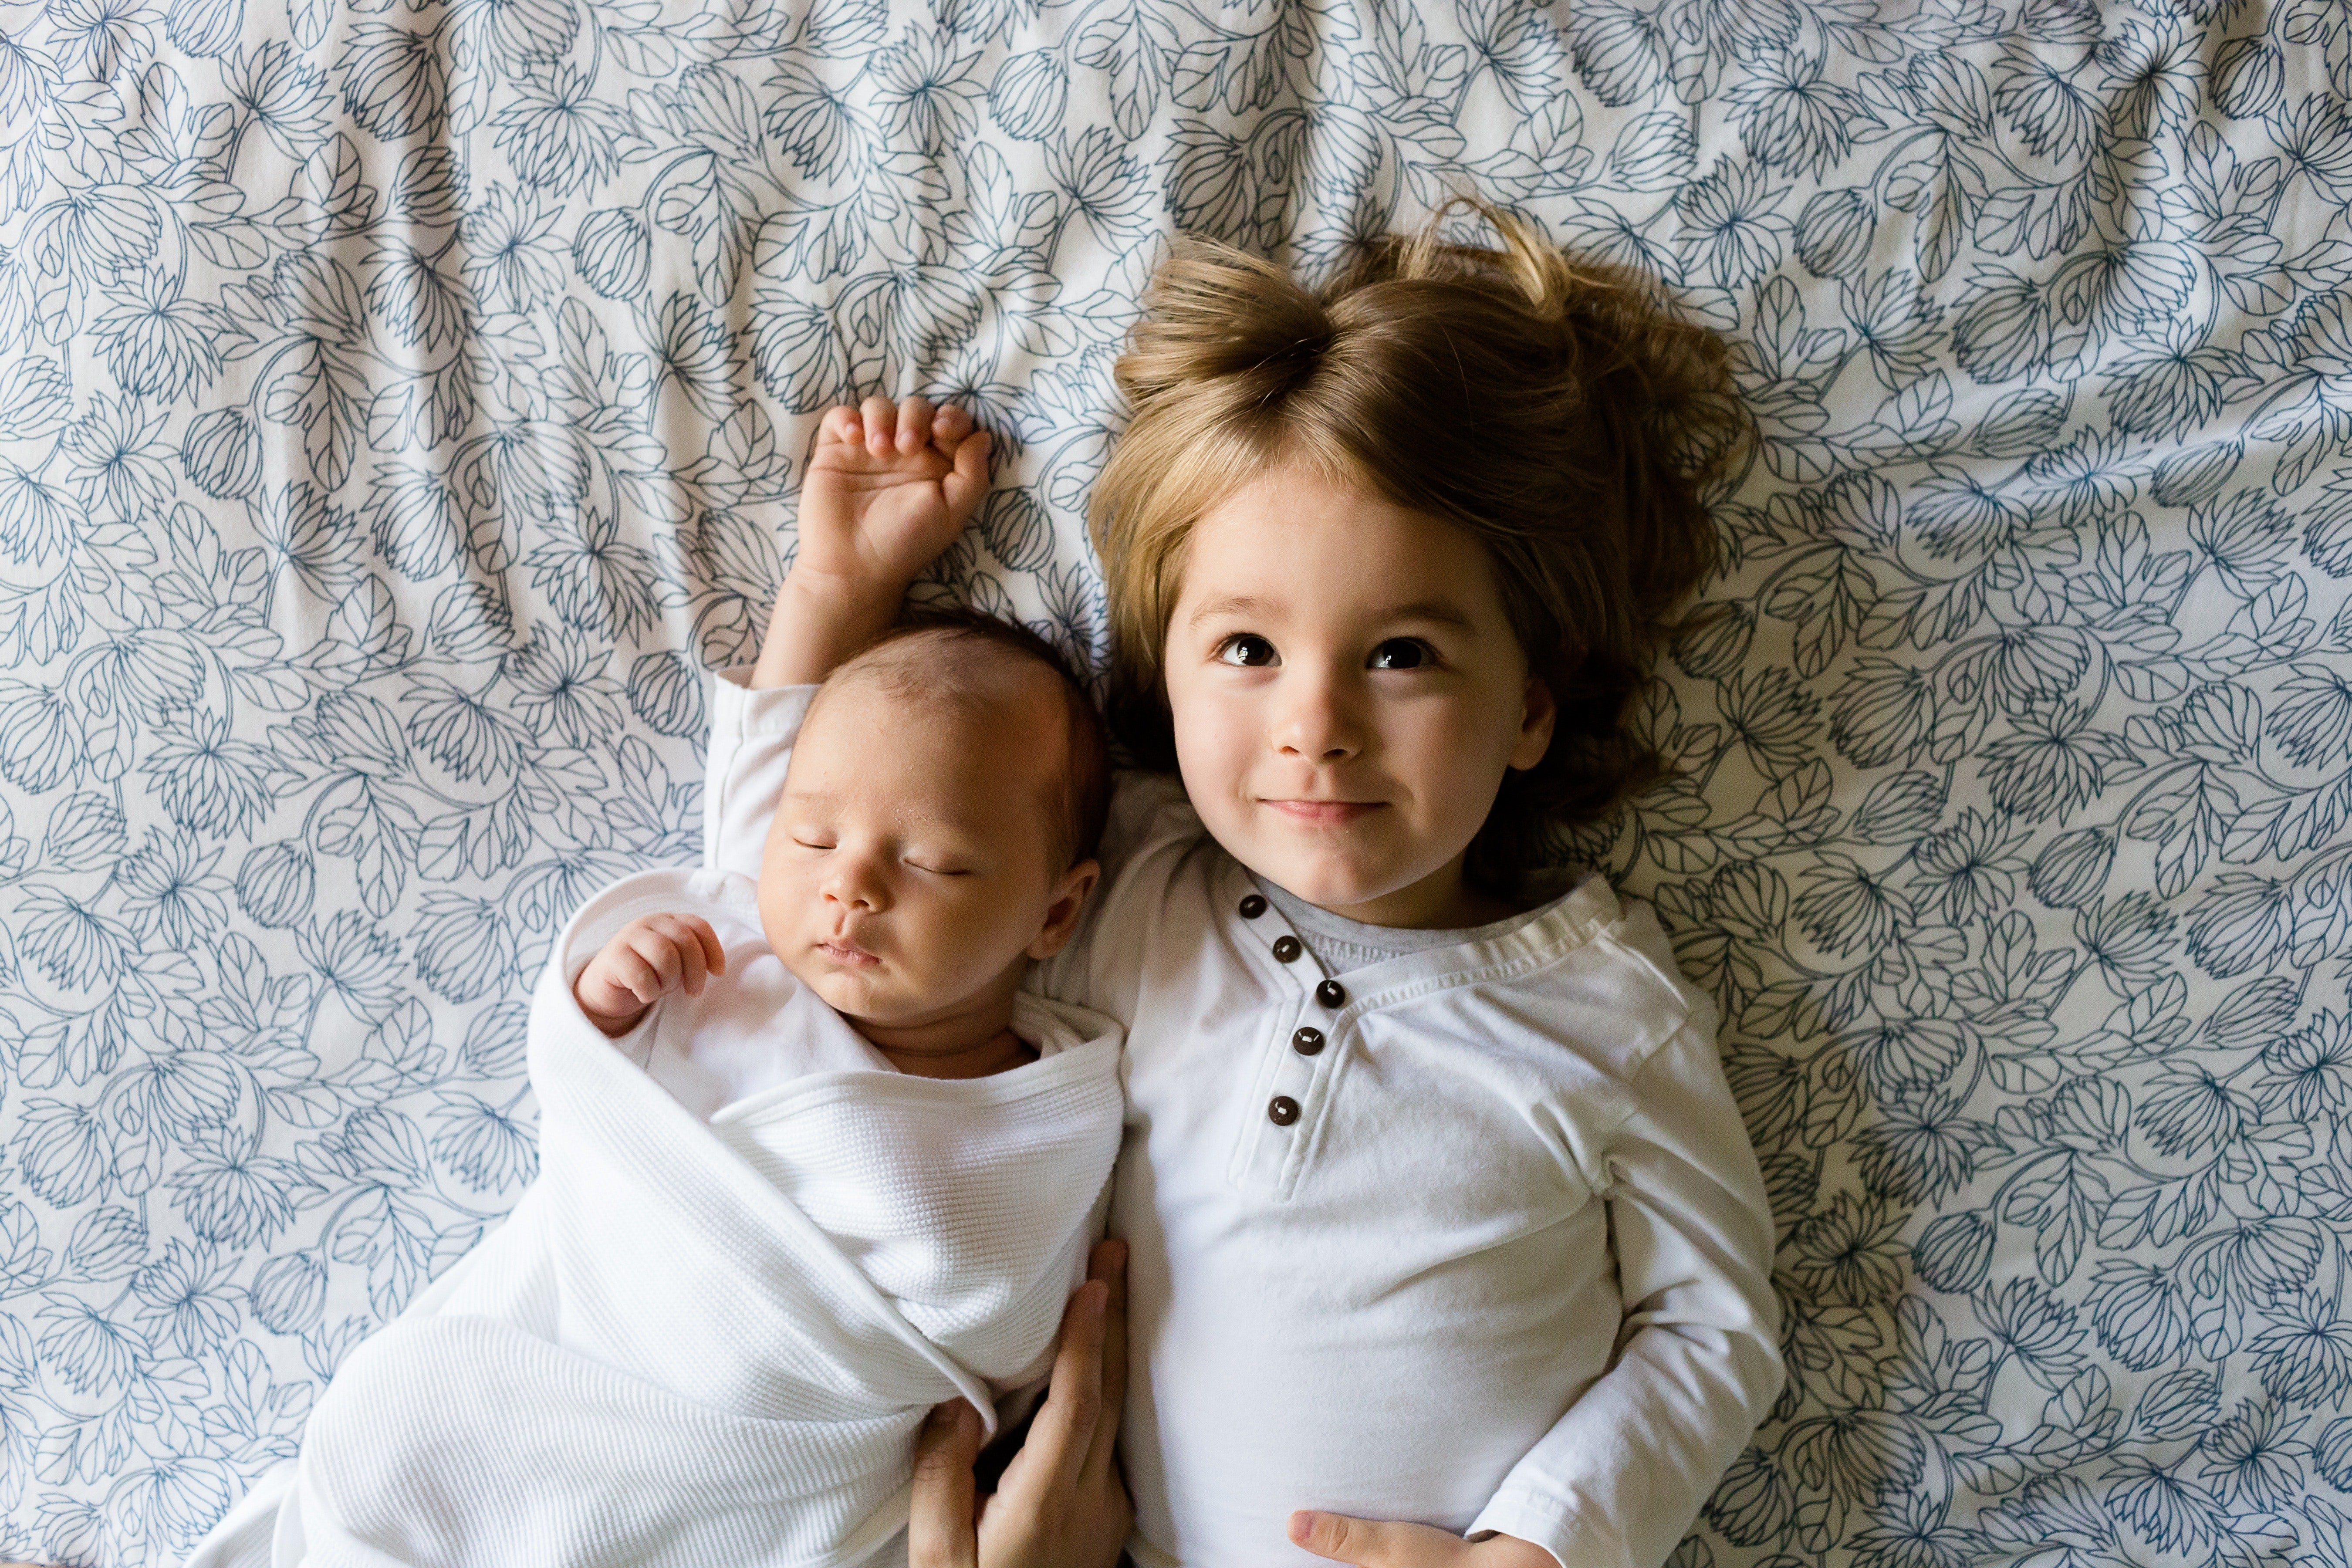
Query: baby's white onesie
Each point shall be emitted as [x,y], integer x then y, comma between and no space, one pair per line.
[1470,1235]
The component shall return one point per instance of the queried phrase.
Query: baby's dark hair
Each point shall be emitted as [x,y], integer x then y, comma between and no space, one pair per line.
[1554,409]
[947,654]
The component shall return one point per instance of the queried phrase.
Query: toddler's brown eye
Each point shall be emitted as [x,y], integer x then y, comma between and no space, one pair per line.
[1248,650]
[1399,653]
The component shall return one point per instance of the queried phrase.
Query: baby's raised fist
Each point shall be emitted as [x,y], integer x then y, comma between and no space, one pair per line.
[645,961]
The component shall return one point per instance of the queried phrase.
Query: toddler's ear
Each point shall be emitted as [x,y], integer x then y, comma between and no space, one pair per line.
[1062,914]
[1538,713]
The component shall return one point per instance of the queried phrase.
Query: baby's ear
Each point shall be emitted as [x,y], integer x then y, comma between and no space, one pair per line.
[1069,903]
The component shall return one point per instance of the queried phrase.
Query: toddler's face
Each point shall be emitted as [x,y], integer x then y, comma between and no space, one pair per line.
[1348,694]
[909,869]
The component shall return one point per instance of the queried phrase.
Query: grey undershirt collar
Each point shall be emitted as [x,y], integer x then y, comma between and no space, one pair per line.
[1341,944]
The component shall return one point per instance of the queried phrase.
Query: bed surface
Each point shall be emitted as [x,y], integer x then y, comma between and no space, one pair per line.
[401,407]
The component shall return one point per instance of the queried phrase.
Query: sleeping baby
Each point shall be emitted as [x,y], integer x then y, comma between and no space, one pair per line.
[811,1163]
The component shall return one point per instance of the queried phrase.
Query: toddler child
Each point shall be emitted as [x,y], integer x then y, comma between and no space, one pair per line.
[1446,1242]
[812,1162]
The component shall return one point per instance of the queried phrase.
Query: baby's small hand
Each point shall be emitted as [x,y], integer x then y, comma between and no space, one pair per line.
[648,959]
[888,487]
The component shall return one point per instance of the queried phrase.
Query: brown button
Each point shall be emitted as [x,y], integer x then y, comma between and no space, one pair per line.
[1252,906]
[1331,993]
[1287,948]
[1306,1042]
[1282,1110]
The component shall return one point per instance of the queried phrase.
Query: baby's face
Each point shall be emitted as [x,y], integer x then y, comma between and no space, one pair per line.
[1348,694]
[910,868]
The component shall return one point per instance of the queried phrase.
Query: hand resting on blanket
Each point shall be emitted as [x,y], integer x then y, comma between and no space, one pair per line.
[1061,1503]
[645,961]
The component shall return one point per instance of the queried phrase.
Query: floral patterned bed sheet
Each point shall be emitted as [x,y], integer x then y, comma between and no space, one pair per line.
[401,405]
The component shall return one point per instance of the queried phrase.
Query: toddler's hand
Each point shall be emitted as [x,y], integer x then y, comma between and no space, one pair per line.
[1376,1543]
[648,959]
[888,487]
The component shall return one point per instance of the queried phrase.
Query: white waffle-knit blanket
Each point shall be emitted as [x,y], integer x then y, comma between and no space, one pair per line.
[708,1344]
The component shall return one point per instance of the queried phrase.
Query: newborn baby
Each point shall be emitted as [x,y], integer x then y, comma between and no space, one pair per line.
[926,849]
[811,1163]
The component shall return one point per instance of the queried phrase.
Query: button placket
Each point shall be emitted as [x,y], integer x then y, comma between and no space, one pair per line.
[1267,1158]
[1296,1079]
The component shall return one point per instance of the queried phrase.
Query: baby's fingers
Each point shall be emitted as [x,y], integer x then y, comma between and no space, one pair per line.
[708,939]
[684,949]
[629,968]
[879,416]
[914,423]
[967,482]
[839,424]
[949,425]
[693,964]
[652,957]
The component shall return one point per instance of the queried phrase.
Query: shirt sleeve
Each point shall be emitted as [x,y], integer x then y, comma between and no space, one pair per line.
[752,736]
[1620,1478]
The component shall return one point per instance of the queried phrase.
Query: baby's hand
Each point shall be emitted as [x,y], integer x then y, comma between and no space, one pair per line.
[888,487]
[648,959]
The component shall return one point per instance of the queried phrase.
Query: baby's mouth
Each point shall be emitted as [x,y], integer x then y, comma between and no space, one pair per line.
[847,953]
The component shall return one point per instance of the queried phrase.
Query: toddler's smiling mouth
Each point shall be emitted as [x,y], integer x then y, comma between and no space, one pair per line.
[1326,813]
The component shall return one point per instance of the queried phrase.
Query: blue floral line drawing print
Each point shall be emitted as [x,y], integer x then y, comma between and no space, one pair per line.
[401,411]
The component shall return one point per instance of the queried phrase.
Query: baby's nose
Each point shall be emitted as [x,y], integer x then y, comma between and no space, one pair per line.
[855,888]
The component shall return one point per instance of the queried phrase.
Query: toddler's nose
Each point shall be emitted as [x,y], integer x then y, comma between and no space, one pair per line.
[1317,723]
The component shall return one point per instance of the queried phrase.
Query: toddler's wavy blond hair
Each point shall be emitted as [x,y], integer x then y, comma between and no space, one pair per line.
[1552,409]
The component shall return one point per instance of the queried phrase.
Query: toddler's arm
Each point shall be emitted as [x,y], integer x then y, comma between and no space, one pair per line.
[1622,1475]
[645,961]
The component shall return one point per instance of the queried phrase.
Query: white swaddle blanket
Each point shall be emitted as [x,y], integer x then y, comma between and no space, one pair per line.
[709,1343]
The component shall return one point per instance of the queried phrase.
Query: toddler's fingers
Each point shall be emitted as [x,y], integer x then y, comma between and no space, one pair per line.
[879,415]
[968,482]
[914,423]
[1375,1544]
[950,425]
